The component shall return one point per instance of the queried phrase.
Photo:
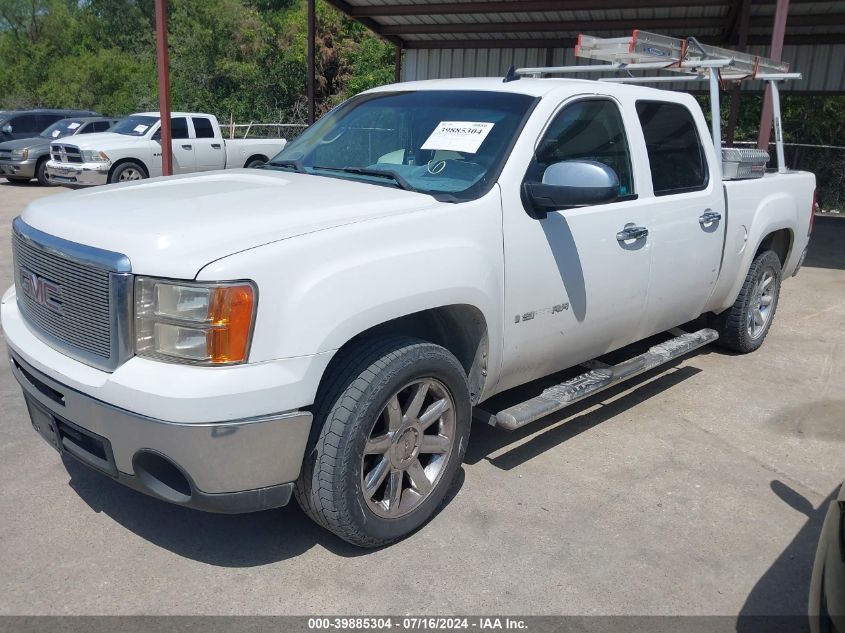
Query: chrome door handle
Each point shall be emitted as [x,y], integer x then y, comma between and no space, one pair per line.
[631,233]
[215,146]
[187,147]
[709,216]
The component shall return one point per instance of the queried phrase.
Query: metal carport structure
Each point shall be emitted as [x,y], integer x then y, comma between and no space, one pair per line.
[461,38]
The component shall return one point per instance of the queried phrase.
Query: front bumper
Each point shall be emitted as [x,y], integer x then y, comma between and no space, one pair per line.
[18,168]
[78,174]
[216,467]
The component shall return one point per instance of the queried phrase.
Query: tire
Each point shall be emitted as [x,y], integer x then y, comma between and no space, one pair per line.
[367,401]
[41,174]
[127,172]
[740,327]
[254,163]
[17,181]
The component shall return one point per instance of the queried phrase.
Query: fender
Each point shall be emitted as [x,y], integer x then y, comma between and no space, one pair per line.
[378,270]
[748,226]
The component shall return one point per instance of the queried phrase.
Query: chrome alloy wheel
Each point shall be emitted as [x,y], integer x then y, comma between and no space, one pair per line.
[408,448]
[130,174]
[760,306]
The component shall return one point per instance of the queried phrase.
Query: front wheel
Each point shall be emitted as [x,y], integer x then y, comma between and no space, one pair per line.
[127,172]
[41,174]
[743,327]
[390,432]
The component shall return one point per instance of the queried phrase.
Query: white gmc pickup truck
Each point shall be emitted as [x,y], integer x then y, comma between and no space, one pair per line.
[131,150]
[329,325]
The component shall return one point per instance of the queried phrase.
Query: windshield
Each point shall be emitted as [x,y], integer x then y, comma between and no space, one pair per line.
[449,143]
[135,125]
[60,129]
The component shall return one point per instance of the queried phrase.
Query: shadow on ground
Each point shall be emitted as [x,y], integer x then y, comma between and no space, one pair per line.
[225,540]
[825,250]
[783,591]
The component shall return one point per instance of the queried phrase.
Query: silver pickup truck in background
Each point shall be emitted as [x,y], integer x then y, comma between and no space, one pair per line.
[131,150]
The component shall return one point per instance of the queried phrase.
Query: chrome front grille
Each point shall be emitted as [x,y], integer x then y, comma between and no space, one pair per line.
[77,298]
[5,154]
[65,153]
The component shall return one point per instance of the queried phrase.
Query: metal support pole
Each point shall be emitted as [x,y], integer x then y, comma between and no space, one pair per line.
[778,31]
[397,64]
[716,119]
[311,79]
[775,93]
[163,61]
[744,23]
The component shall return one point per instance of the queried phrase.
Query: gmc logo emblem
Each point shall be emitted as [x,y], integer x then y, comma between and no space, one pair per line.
[43,291]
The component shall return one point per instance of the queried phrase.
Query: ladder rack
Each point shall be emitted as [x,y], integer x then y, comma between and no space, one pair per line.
[687,59]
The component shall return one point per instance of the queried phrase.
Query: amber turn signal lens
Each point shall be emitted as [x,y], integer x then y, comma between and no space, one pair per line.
[231,310]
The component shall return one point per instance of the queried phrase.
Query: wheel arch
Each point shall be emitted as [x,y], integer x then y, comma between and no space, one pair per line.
[459,328]
[260,157]
[779,241]
[123,161]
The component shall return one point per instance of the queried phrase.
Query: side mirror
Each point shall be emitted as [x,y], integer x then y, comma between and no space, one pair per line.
[572,183]
[6,129]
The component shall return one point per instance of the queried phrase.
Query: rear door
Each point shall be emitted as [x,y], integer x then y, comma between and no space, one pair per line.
[208,147]
[184,156]
[687,223]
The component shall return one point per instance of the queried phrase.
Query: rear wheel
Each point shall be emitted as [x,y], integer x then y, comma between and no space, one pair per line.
[390,432]
[255,162]
[743,327]
[127,172]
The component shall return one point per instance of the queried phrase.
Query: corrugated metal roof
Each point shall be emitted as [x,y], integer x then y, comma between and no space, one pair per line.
[454,38]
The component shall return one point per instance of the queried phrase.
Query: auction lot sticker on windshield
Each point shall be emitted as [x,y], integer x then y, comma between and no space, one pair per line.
[458,136]
[140,129]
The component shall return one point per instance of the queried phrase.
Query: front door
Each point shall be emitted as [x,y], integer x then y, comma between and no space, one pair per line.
[575,287]
[688,216]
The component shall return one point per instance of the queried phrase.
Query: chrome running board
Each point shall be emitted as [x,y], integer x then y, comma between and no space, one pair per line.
[599,378]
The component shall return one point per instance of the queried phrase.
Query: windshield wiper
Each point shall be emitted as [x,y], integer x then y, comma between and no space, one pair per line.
[288,162]
[379,173]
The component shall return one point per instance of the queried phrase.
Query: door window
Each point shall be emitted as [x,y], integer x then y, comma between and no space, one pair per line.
[102,126]
[27,124]
[203,127]
[179,128]
[675,154]
[590,129]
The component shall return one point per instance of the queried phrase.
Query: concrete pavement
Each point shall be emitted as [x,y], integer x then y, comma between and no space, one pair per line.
[694,490]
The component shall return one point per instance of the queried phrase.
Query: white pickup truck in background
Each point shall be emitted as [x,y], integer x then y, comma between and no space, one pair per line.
[329,325]
[131,150]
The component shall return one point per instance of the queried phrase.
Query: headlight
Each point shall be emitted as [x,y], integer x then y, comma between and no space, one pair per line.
[197,323]
[20,154]
[93,156]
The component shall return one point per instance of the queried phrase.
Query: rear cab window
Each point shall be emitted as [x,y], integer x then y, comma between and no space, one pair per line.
[203,127]
[675,153]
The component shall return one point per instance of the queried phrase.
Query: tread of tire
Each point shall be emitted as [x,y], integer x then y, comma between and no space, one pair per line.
[732,321]
[318,504]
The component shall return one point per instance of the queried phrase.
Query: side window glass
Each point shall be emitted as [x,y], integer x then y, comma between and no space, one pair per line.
[27,124]
[593,130]
[45,121]
[675,154]
[102,126]
[179,127]
[203,127]
[87,128]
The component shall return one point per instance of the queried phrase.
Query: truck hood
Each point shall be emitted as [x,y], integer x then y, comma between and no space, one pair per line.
[101,141]
[174,226]
[25,142]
